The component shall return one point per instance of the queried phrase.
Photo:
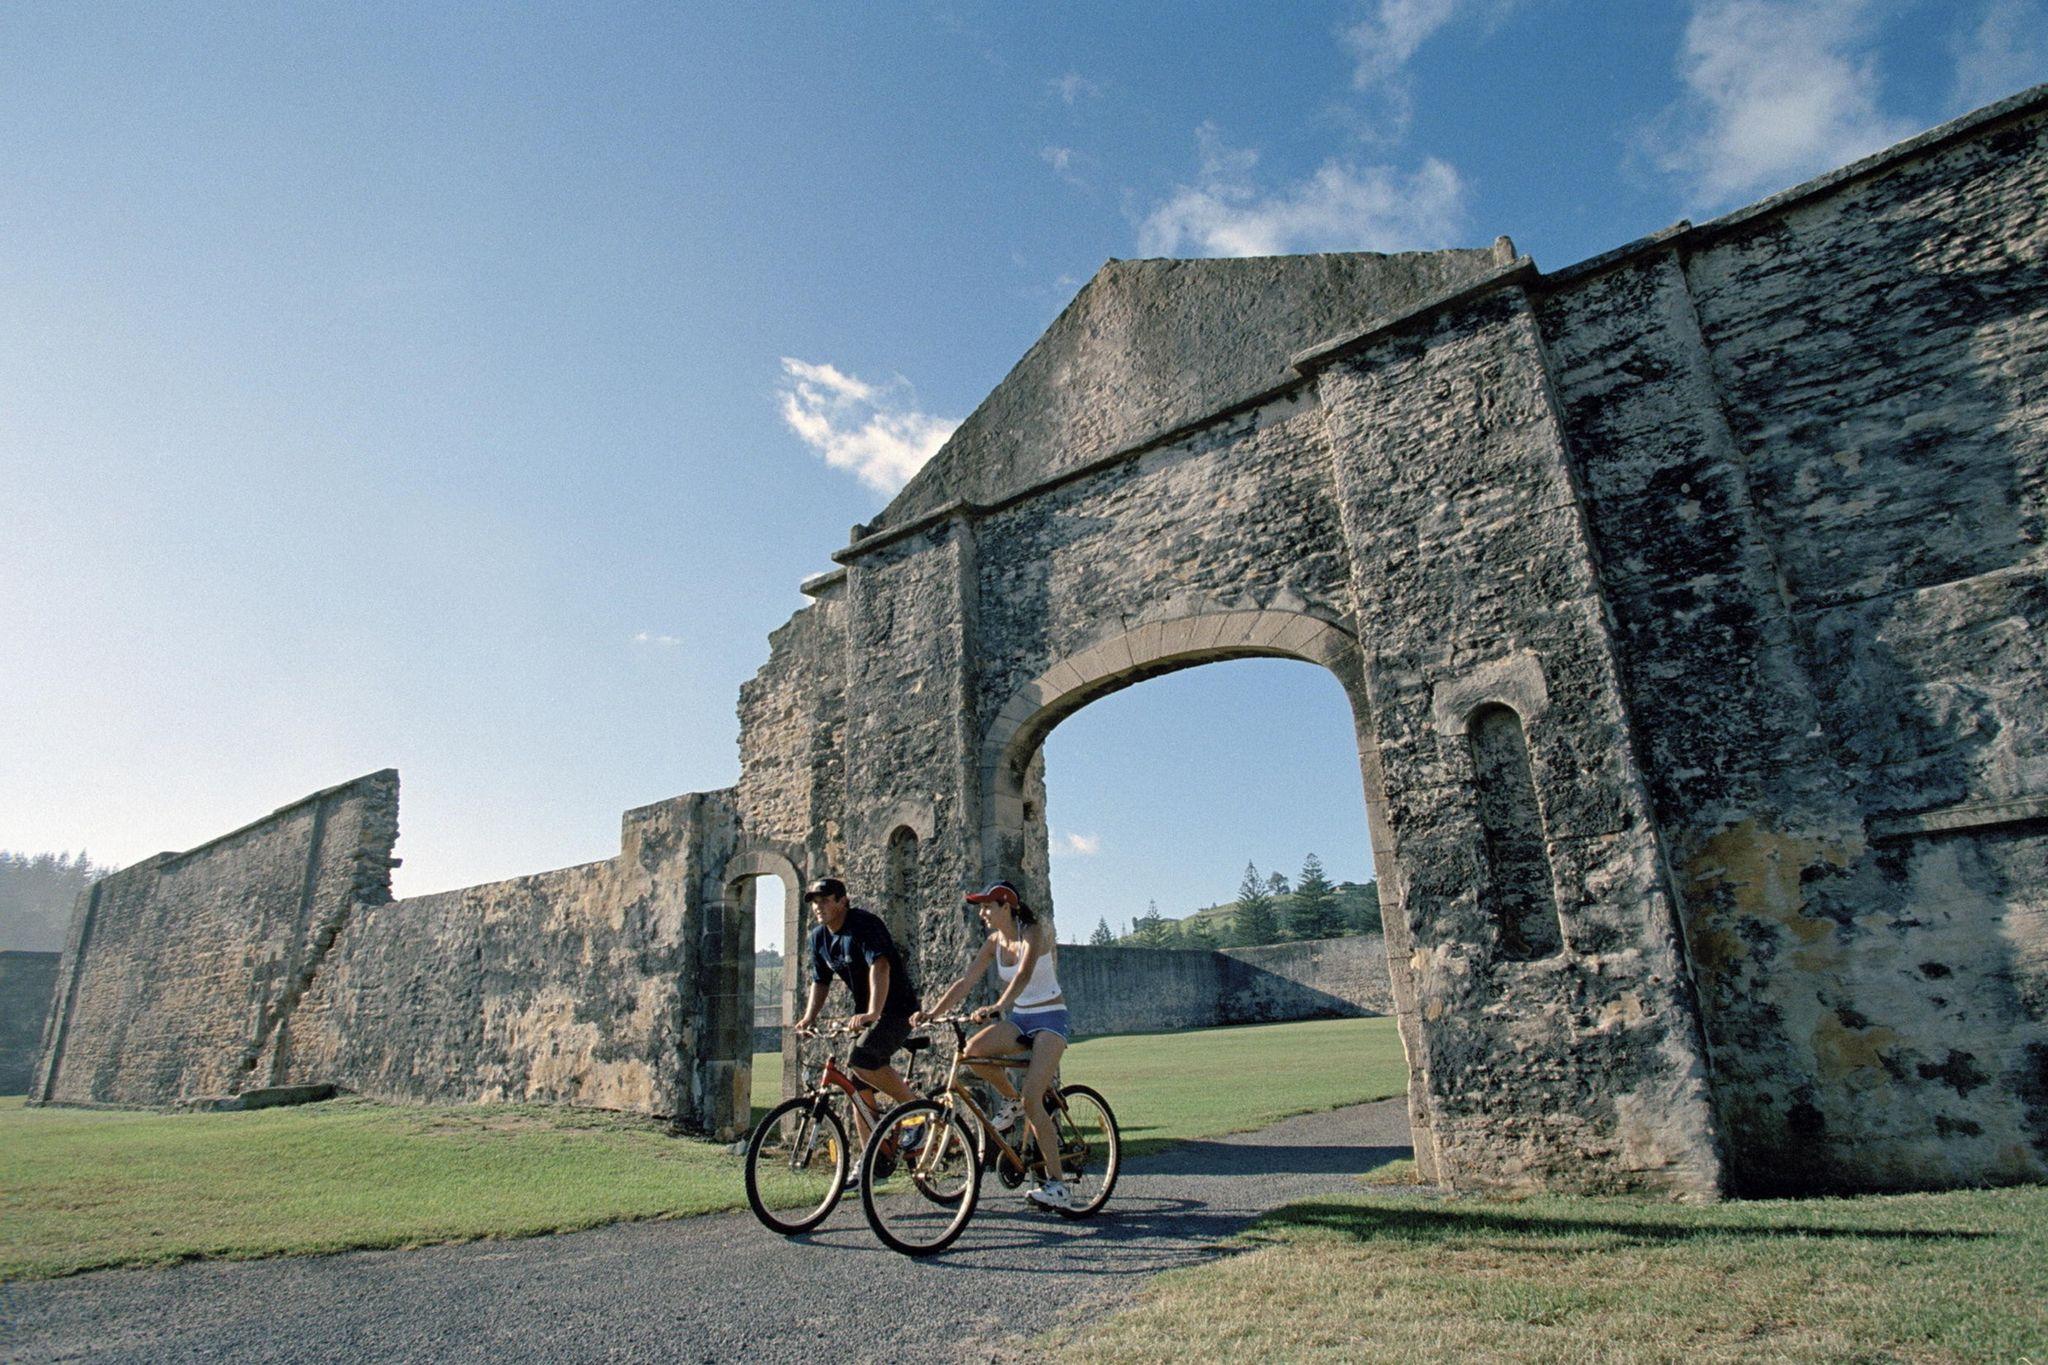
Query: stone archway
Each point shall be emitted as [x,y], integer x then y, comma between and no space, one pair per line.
[761,858]
[1010,748]
[1177,473]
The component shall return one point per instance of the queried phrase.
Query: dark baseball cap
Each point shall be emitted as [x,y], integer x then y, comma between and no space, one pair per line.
[997,891]
[826,886]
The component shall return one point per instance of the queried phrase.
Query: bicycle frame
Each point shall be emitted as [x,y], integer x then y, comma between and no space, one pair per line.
[955,1092]
[831,1076]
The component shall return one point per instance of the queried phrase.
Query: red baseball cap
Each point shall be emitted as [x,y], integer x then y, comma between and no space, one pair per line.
[997,891]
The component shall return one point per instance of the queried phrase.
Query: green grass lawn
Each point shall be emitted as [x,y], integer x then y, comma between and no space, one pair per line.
[87,1188]
[1934,1277]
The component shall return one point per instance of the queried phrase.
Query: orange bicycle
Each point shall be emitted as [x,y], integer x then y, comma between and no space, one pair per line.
[921,1168]
[798,1159]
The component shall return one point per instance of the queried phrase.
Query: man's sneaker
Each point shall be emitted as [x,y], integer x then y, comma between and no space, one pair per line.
[1006,1116]
[852,1185]
[1051,1195]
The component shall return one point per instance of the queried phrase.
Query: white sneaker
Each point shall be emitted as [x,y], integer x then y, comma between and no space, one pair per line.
[852,1185]
[1051,1195]
[1006,1116]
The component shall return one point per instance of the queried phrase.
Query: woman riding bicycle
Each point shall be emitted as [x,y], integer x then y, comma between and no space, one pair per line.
[1022,948]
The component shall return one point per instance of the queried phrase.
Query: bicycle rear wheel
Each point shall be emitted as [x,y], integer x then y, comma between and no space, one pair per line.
[797,1162]
[1091,1148]
[920,1178]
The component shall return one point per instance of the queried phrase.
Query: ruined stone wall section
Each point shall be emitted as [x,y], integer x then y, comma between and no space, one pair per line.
[908,648]
[1813,449]
[1237,517]
[598,985]
[1472,570]
[1167,343]
[792,714]
[180,971]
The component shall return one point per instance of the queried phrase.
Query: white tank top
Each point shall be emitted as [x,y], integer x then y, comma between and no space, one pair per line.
[1044,984]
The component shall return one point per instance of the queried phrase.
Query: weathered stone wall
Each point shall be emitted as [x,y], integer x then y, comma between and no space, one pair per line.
[275,956]
[178,971]
[28,982]
[594,985]
[1577,1069]
[1813,444]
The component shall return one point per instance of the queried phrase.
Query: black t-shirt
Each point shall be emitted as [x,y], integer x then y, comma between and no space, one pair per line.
[862,938]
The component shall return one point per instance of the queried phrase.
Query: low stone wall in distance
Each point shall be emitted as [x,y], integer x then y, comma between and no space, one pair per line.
[27,981]
[1154,990]
[1160,990]
[1326,978]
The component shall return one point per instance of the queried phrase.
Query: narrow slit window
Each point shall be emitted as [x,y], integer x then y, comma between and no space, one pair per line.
[899,908]
[1519,892]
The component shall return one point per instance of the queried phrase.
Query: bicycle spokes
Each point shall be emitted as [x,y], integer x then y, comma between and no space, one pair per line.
[919,1178]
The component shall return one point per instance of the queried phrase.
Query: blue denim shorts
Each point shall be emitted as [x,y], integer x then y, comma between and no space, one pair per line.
[1030,1023]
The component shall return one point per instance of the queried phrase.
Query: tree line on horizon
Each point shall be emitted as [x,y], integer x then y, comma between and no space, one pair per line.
[37,892]
[1268,909]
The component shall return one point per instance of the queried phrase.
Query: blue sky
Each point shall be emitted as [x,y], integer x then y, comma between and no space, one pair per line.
[467,389]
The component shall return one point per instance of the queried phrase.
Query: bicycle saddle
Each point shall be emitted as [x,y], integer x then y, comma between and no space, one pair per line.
[917,1044]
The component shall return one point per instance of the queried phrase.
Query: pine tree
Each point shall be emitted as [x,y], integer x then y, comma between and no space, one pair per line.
[1196,933]
[1102,937]
[1152,930]
[1254,922]
[37,895]
[1313,910]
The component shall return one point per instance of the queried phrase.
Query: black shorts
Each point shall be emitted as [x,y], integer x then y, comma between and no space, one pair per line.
[880,1042]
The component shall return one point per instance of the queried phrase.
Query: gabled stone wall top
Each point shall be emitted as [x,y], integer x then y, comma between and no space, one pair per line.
[1149,346]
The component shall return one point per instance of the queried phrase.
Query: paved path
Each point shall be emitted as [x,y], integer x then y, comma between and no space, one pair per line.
[715,1288]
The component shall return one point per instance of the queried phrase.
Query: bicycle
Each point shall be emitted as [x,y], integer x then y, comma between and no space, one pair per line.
[797,1156]
[921,1202]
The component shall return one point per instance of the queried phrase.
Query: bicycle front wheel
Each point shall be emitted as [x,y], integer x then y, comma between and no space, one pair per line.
[919,1178]
[797,1162]
[1091,1148]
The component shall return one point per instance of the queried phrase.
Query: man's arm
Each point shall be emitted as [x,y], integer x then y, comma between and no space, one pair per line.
[819,990]
[878,992]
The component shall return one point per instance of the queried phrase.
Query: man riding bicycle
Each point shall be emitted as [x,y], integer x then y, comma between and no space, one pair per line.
[854,945]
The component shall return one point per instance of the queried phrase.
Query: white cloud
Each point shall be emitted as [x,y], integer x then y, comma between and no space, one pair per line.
[1083,845]
[648,637]
[1341,207]
[1776,90]
[872,430]
[1386,40]
[1074,87]
[1066,163]
[2002,53]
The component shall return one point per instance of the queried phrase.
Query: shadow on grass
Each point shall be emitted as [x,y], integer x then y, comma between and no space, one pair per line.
[1438,1222]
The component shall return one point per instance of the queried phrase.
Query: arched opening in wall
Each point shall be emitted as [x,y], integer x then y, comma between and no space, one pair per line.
[1520,897]
[1202,835]
[899,891]
[768,939]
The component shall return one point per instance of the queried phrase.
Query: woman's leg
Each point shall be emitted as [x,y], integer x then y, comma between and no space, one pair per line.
[999,1039]
[1046,1047]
